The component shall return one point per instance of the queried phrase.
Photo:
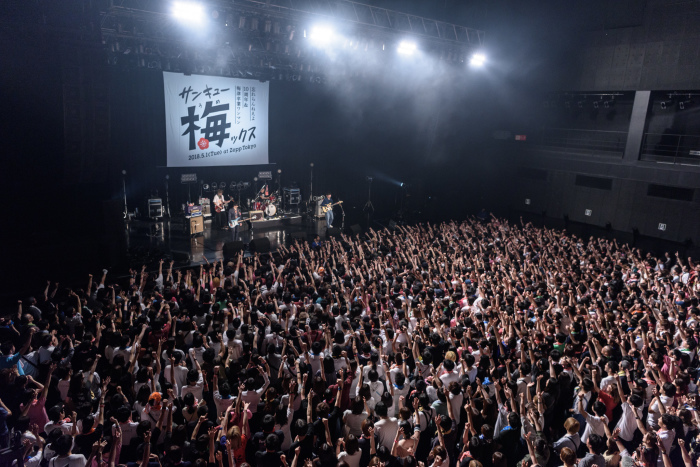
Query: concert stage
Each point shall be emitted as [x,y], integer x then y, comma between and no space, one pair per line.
[170,237]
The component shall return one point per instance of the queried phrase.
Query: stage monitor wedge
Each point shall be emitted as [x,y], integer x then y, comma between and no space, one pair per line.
[215,121]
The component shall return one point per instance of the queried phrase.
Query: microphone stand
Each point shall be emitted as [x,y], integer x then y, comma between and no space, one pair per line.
[342,222]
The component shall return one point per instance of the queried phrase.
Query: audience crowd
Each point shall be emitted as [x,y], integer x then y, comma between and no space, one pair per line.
[470,344]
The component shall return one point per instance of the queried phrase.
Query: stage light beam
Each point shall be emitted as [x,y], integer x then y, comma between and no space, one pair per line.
[477,60]
[407,48]
[188,12]
[321,35]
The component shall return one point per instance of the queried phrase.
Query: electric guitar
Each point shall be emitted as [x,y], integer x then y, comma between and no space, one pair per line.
[328,207]
[220,207]
[236,222]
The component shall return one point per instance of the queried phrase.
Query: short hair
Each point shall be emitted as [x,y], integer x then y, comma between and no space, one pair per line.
[381,409]
[62,445]
[567,456]
[351,444]
[272,442]
[597,443]
[571,425]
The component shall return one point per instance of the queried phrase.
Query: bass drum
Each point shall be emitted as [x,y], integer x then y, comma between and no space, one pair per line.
[270,210]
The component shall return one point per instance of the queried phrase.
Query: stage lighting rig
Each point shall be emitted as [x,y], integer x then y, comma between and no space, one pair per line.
[188,12]
[407,48]
[477,60]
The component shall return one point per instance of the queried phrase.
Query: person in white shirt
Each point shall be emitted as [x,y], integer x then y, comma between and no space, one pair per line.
[450,375]
[668,391]
[594,421]
[63,446]
[632,408]
[222,394]
[176,373]
[348,450]
[252,396]
[386,427]
[195,381]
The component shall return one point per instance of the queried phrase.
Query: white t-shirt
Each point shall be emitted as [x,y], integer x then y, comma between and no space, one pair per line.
[654,412]
[74,460]
[386,430]
[627,423]
[180,377]
[352,460]
[594,425]
[196,389]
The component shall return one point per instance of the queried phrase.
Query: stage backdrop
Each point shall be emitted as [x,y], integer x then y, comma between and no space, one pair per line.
[211,120]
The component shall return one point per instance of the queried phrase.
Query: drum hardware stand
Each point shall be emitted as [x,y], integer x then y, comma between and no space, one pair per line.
[368,205]
[309,205]
[167,197]
[126,210]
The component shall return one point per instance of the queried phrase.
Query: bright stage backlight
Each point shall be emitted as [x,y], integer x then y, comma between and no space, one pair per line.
[321,35]
[188,11]
[477,60]
[407,48]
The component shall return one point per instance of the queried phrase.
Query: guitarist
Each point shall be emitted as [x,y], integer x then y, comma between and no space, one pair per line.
[233,214]
[220,210]
[329,215]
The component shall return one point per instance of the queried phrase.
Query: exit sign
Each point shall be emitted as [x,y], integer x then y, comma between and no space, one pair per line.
[520,137]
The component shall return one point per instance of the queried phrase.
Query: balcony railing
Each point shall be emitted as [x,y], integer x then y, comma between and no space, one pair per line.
[671,149]
[593,142]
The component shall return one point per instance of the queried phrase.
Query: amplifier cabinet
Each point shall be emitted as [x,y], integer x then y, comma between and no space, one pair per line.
[196,225]
[256,215]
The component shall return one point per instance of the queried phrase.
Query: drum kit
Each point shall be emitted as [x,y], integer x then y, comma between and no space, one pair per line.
[265,201]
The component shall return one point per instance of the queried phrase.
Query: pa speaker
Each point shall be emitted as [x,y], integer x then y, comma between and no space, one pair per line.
[333,232]
[299,236]
[260,245]
[231,249]
[356,229]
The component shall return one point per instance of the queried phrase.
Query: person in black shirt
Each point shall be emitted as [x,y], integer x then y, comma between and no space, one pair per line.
[272,456]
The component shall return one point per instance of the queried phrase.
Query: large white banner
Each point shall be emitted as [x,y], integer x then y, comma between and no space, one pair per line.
[210,120]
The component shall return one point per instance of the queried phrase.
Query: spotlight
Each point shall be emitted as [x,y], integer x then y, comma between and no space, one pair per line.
[188,11]
[222,185]
[477,60]
[401,185]
[665,104]
[407,48]
[311,165]
[279,171]
[123,172]
[682,105]
[321,35]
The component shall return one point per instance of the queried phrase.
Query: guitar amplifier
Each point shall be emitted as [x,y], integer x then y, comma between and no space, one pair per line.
[196,225]
[194,210]
[318,210]
[256,216]
[206,206]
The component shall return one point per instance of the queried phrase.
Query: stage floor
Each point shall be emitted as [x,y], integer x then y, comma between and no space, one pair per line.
[170,236]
